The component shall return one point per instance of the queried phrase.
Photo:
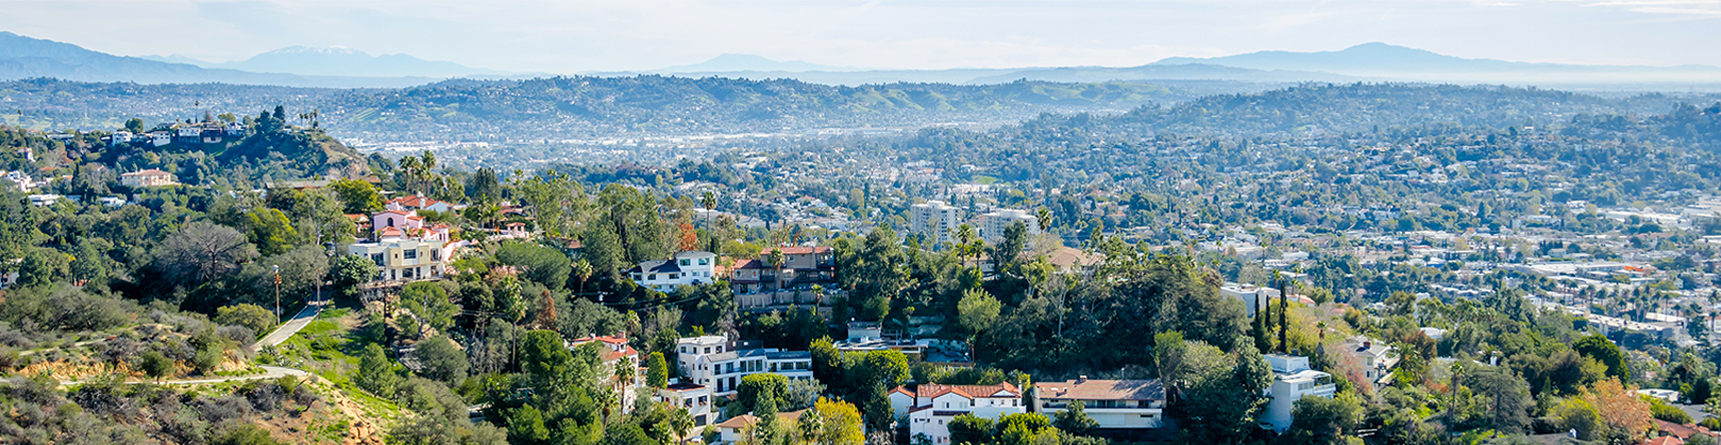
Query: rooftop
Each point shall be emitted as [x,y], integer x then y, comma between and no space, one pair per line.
[1101,390]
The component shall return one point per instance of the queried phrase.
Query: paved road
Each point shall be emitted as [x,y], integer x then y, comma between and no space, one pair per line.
[292,326]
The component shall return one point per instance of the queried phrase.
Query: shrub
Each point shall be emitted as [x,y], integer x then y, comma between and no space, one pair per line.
[252,316]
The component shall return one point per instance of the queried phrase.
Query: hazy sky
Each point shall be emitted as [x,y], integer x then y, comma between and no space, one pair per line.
[576,36]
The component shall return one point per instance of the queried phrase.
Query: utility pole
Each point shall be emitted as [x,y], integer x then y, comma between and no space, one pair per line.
[277,270]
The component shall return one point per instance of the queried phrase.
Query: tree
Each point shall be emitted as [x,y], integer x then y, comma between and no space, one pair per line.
[441,360]
[201,252]
[755,388]
[357,197]
[134,125]
[483,186]
[376,372]
[657,370]
[252,316]
[970,429]
[1508,398]
[1626,415]
[348,271]
[1218,393]
[1323,421]
[977,311]
[1606,352]
[1075,419]
[539,263]
[156,365]
[543,355]
[429,302]
[271,231]
[837,423]
[1023,429]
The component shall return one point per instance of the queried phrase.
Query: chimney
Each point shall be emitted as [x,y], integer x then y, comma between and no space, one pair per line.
[1080,379]
[1366,345]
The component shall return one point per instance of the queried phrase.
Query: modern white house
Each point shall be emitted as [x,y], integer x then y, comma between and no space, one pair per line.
[1252,296]
[934,220]
[696,399]
[929,408]
[1292,380]
[712,361]
[684,268]
[992,225]
[1114,404]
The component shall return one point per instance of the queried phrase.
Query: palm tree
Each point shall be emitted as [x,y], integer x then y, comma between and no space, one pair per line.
[776,259]
[964,240]
[583,271]
[1045,217]
[709,200]
[680,421]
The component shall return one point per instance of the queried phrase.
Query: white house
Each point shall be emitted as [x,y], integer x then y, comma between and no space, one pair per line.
[1376,359]
[1292,379]
[1261,296]
[160,138]
[684,268]
[1114,404]
[695,398]
[710,360]
[929,408]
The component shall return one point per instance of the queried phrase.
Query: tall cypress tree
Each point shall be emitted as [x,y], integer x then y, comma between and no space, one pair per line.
[1258,327]
[1284,307]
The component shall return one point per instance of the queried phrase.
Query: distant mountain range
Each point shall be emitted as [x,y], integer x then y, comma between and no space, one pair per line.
[1390,62]
[25,57]
[749,62]
[336,62]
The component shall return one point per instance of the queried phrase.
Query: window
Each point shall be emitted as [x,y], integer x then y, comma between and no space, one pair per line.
[707,349]
[377,257]
[686,262]
[410,254]
[651,277]
[704,261]
[674,276]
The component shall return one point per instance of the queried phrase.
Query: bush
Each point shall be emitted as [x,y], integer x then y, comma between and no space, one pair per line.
[224,408]
[1669,413]
[244,434]
[252,316]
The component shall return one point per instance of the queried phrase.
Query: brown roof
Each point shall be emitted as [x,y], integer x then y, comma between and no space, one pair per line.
[1664,440]
[150,172]
[748,264]
[796,250]
[1066,257]
[1682,431]
[747,420]
[1101,390]
[610,353]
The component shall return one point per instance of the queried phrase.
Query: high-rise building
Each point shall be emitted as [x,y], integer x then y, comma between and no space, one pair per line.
[934,220]
[992,225]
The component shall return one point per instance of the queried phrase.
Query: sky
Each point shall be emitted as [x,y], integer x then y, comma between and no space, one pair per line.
[574,36]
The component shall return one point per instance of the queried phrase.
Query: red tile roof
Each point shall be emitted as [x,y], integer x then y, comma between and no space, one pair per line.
[1664,440]
[616,347]
[414,201]
[932,390]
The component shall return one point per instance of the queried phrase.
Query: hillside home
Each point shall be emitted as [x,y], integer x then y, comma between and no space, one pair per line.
[1292,379]
[1115,404]
[416,202]
[402,259]
[684,268]
[930,408]
[1377,359]
[146,178]
[713,361]
[802,268]
[616,354]
[695,398]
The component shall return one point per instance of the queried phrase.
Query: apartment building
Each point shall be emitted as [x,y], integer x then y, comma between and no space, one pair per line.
[934,220]
[992,225]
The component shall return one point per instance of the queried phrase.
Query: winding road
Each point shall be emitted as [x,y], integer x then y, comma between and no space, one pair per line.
[275,338]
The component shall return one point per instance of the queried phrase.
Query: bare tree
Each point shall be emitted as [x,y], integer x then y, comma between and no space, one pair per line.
[202,251]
